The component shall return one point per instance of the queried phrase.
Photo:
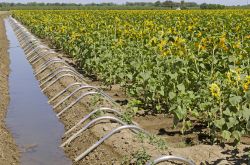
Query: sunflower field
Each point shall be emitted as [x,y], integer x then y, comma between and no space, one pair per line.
[194,65]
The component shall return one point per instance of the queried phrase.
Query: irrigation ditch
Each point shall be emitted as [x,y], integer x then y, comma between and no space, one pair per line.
[30,118]
[8,149]
[95,132]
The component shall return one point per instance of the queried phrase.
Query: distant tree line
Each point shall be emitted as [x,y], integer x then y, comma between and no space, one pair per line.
[212,6]
[167,3]
[101,4]
[184,5]
[6,4]
[170,4]
[151,5]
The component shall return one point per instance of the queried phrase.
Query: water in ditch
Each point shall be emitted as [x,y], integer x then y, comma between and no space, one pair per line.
[34,125]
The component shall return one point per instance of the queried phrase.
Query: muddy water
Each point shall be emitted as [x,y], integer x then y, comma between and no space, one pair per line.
[31,120]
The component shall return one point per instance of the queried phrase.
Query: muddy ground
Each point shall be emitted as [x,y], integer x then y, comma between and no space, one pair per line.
[9,154]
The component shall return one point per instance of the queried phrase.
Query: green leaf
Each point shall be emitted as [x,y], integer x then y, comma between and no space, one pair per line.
[232,122]
[202,66]
[194,113]
[180,113]
[158,108]
[173,107]
[235,100]
[219,123]
[181,87]
[130,76]
[246,112]
[227,112]
[162,91]
[191,94]
[173,76]
[145,75]
[226,135]
[188,125]
[236,135]
[171,95]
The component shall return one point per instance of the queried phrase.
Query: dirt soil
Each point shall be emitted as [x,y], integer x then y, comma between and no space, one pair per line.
[123,145]
[9,154]
[194,143]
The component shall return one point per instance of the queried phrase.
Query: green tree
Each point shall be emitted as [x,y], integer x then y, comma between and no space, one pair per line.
[157,3]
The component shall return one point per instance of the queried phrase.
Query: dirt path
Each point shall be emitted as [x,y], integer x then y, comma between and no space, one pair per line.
[8,150]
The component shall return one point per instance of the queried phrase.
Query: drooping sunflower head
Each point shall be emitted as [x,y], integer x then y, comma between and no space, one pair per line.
[215,90]
[162,44]
[246,84]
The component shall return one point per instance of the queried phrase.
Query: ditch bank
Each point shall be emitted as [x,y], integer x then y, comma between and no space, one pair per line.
[8,150]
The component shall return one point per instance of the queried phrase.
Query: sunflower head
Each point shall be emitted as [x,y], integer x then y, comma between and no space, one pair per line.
[246,84]
[215,90]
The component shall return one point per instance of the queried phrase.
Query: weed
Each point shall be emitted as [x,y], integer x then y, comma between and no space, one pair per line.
[154,140]
[140,157]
